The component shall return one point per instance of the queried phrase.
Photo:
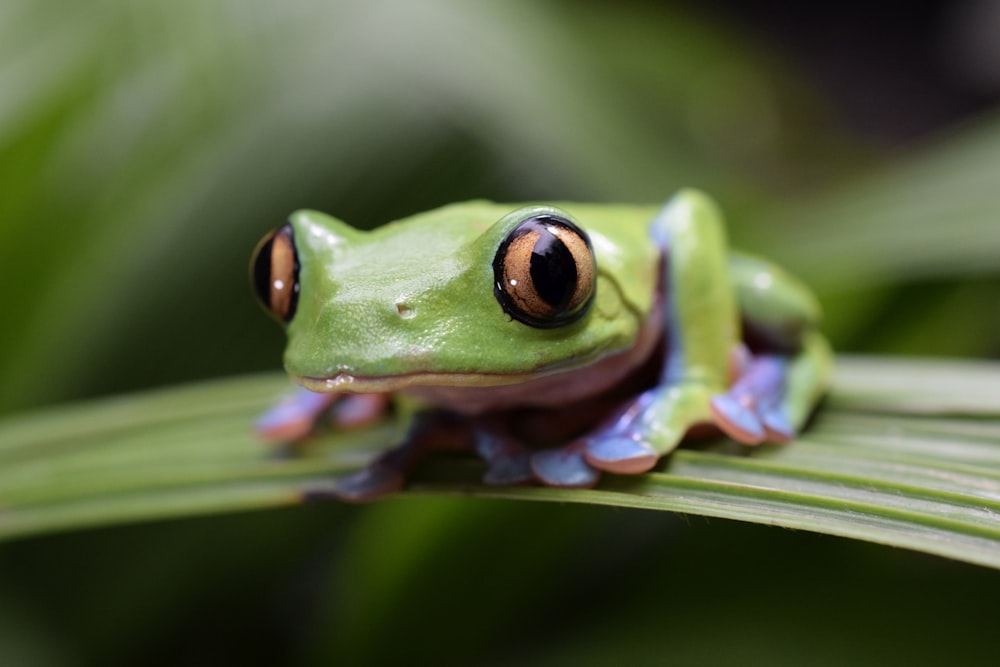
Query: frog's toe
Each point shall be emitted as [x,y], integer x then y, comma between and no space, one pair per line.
[777,425]
[294,417]
[620,454]
[371,483]
[564,467]
[737,420]
[514,471]
[509,461]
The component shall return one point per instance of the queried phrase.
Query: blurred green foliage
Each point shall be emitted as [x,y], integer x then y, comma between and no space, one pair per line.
[145,147]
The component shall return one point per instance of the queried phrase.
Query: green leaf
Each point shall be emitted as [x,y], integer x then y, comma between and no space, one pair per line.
[904,453]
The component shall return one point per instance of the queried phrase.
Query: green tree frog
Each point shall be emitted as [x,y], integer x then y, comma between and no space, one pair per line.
[557,342]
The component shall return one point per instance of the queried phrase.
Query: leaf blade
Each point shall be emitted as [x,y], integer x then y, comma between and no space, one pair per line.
[905,453]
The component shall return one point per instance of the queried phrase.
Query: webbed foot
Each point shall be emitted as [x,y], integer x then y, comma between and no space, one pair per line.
[651,425]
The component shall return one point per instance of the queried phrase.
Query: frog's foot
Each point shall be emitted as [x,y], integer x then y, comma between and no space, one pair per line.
[618,446]
[652,425]
[295,417]
[752,411]
[509,461]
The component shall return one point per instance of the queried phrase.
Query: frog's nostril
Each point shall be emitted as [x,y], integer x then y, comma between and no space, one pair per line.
[404,310]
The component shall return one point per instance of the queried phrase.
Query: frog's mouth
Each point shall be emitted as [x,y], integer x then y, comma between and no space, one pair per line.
[474,393]
[478,393]
[360,384]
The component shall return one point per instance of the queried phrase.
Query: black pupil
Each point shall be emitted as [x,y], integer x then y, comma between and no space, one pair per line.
[262,272]
[553,270]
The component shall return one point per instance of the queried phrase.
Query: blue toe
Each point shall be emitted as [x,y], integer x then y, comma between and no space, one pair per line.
[293,417]
[563,467]
[510,471]
[738,421]
[777,424]
[621,455]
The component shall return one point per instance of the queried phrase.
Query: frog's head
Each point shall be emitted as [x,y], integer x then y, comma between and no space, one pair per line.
[467,295]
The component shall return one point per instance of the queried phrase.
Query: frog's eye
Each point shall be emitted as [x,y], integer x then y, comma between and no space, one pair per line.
[544,272]
[274,273]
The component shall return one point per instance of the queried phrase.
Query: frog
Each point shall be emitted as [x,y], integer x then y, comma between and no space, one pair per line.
[558,342]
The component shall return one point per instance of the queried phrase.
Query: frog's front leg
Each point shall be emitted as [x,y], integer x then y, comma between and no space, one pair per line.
[702,333]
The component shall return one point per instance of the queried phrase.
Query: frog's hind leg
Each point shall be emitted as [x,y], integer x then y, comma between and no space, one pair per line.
[809,376]
[771,398]
[751,410]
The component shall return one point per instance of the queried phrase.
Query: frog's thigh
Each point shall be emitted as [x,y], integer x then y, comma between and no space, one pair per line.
[775,305]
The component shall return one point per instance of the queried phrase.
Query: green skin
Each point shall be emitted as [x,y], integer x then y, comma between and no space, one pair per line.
[409,307]
[437,268]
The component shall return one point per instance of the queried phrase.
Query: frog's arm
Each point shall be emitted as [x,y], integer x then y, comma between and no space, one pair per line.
[808,377]
[700,317]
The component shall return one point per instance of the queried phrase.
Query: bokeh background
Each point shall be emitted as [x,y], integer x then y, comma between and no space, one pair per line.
[145,148]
